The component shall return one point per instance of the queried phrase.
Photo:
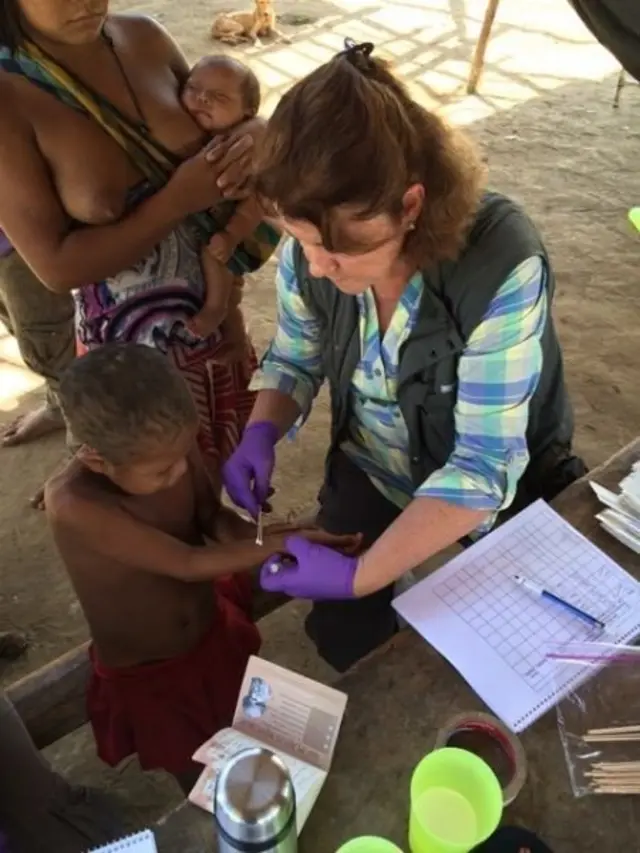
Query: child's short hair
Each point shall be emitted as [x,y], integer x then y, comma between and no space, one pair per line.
[119,397]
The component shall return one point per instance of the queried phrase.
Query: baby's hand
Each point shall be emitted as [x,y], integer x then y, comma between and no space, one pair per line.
[221,246]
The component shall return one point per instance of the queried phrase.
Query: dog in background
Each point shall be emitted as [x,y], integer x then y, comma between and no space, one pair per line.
[238,27]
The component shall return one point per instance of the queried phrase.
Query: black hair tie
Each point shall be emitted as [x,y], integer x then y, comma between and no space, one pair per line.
[357,54]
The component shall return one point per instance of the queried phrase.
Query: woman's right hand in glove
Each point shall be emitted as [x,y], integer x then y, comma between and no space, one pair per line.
[246,475]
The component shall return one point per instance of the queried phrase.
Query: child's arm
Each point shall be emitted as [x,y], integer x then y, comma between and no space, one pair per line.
[230,527]
[143,548]
[223,524]
[215,521]
[207,491]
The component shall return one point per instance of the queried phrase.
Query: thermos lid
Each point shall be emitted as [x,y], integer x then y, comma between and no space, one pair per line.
[254,799]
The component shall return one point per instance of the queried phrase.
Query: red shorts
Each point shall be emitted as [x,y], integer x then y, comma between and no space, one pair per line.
[164,711]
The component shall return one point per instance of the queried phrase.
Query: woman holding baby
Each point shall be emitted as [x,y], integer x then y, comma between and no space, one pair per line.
[105,189]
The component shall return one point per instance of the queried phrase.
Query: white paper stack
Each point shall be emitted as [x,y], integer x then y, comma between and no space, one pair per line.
[622,516]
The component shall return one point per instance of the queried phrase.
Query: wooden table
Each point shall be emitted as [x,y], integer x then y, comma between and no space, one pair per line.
[399,697]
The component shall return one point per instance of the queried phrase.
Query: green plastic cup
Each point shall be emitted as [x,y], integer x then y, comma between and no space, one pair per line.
[456,802]
[369,844]
[634,217]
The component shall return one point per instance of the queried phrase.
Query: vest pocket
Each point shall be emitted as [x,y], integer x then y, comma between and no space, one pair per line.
[437,427]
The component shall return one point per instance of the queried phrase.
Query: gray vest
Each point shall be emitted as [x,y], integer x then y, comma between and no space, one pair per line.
[456,297]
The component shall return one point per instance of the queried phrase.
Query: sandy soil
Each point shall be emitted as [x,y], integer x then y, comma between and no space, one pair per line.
[552,139]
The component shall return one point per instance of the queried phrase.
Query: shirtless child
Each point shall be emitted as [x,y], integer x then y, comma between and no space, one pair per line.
[169,619]
[219,94]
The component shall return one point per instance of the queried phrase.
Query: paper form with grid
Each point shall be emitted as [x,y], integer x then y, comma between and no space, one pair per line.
[495,633]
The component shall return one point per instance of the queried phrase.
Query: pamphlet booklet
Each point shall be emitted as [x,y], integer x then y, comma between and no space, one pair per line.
[296,718]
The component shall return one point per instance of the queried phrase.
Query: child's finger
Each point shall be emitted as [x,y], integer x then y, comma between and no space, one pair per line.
[347,542]
[355,547]
[280,528]
[350,544]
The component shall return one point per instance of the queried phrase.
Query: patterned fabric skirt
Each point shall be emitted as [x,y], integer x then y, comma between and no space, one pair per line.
[221,394]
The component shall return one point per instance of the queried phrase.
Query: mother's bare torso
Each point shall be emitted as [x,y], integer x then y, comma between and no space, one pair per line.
[83,173]
[75,173]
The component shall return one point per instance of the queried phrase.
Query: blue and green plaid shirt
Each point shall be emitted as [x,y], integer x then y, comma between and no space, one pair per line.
[497,376]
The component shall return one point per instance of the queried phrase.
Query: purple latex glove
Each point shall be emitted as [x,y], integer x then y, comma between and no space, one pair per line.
[246,475]
[319,573]
[5,246]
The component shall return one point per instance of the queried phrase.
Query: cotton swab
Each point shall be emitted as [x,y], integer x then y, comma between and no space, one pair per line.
[614,777]
[616,730]
[611,738]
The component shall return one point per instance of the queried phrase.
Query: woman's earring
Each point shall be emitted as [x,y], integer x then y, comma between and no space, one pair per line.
[411,226]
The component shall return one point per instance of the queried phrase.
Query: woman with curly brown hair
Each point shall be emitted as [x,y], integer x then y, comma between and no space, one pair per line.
[424,301]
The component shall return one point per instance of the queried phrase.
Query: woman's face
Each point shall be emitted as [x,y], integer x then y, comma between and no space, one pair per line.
[371,247]
[72,22]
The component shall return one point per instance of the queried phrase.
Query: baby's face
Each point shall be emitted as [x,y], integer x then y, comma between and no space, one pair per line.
[213,98]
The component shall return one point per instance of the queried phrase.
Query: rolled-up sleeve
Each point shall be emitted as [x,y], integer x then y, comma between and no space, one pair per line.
[498,374]
[293,361]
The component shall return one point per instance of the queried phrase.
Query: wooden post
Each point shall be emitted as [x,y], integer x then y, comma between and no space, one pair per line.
[622,79]
[477,63]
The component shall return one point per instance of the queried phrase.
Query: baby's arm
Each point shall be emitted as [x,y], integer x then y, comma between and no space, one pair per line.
[218,282]
[219,285]
[246,218]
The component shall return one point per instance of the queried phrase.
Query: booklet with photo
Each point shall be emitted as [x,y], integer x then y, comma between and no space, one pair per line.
[296,718]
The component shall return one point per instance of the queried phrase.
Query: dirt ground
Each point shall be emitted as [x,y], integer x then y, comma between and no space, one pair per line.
[545,121]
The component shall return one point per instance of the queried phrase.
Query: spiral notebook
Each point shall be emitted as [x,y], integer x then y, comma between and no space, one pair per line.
[496,634]
[141,842]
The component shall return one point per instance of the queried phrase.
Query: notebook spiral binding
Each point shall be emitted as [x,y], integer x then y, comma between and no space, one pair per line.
[143,842]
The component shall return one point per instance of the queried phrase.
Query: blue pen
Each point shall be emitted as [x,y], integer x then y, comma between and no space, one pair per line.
[536,589]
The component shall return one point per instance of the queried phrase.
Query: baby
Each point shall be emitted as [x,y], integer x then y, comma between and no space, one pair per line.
[219,94]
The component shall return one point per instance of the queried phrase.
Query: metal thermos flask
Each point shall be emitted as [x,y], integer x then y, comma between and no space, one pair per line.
[254,805]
